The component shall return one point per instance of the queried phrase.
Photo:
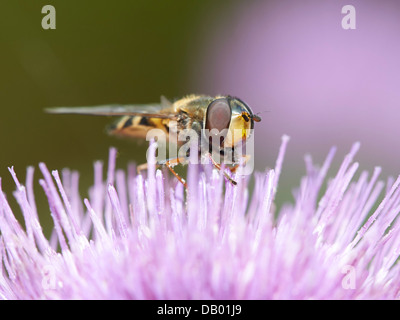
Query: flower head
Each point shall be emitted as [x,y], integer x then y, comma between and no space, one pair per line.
[144,237]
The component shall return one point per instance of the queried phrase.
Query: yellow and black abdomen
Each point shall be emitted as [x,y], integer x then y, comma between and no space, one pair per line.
[137,126]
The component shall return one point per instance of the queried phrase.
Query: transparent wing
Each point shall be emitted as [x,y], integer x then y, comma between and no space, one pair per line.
[143,110]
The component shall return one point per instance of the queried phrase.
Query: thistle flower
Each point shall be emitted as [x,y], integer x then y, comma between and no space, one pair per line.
[138,237]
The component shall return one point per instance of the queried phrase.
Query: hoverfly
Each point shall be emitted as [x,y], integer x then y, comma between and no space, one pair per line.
[199,113]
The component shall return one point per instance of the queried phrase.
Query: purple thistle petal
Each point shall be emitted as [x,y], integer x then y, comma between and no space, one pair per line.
[122,193]
[118,211]
[152,240]
[110,180]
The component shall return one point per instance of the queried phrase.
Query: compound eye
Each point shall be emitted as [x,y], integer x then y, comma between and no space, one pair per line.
[218,115]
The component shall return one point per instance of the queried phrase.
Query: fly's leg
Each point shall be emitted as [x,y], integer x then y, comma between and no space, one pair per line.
[234,168]
[218,166]
[169,163]
[142,167]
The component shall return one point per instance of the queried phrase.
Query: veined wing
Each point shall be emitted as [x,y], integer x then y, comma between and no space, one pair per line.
[144,110]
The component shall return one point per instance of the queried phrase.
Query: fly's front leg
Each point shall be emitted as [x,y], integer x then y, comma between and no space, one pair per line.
[218,166]
[246,159]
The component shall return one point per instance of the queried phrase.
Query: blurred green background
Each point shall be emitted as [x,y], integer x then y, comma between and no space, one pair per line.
[100,52]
